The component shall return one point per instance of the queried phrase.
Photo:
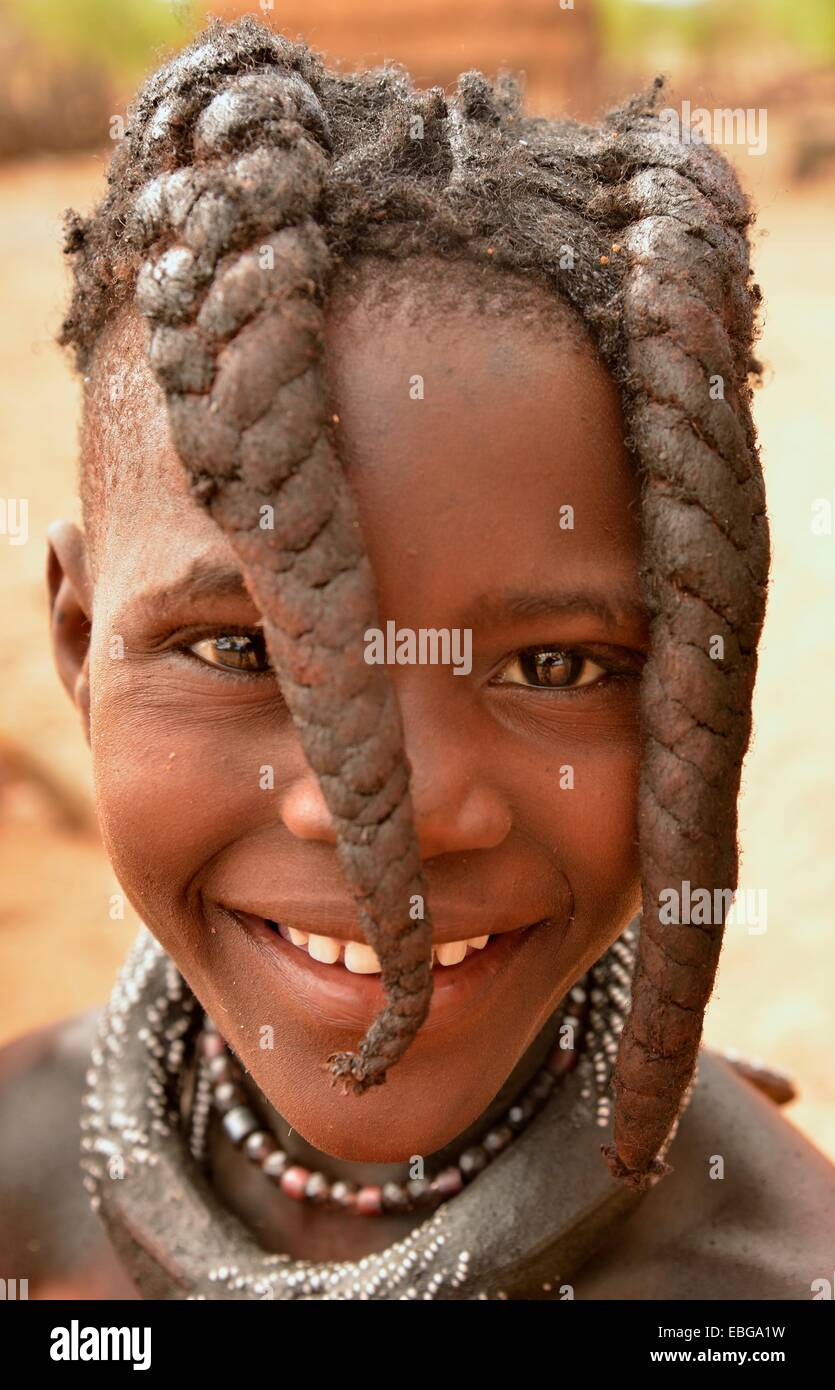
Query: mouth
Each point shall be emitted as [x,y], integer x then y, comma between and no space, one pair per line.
[359,958]
[339,980]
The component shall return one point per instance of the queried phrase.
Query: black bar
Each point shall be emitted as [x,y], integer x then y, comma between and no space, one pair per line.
[257,1340]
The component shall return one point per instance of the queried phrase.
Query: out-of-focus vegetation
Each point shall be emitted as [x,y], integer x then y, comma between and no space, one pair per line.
[127,36]
[708,28]
[123,36]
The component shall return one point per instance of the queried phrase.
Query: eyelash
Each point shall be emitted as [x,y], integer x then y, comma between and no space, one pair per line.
[185,648]
[614,669]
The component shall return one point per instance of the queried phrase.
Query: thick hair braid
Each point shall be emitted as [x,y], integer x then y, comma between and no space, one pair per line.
[245,142]
[706,557]
[233,287]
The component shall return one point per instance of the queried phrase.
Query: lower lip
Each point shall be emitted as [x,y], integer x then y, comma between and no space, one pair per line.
[343,999]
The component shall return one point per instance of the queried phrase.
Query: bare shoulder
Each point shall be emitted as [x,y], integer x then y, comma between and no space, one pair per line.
[748,1211]
[48,1234]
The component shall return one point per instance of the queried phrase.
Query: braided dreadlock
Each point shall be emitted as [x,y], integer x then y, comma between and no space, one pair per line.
[248,176]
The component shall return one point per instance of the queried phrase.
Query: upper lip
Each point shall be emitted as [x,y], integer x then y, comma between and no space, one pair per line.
[328,919]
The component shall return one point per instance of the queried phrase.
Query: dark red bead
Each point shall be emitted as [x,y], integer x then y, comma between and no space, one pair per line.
[294,1181]
[370,1201]
[447,1183]
[560,1061]
[542,1087]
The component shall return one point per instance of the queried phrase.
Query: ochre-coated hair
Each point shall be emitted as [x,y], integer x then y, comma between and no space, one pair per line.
[249,175]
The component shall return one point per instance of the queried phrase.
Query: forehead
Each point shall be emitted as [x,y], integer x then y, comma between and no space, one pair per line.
[464,413]
[470,354]
[483,437]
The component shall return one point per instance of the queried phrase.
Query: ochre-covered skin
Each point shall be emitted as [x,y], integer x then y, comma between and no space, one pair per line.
[244,146]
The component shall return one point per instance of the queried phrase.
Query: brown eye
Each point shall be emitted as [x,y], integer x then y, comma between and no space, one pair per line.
[234,651]
[551,668]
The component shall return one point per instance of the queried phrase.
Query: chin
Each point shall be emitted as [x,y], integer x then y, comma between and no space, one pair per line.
[419,1109]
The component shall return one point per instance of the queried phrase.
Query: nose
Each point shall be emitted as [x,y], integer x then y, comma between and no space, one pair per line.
[457,808]
[455,811]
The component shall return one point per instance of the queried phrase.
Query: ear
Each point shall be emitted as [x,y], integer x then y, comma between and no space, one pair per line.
[70,609]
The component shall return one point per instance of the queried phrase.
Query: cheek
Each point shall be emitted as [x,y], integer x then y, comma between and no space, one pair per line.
[584,809]
[177,781]
[605,838]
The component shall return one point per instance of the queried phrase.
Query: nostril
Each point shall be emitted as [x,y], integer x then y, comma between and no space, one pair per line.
[454,824]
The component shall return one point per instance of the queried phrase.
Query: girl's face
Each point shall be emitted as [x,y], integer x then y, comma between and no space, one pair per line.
[495,496]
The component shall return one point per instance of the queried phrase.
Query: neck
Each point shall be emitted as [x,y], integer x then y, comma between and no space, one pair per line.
[309,1232]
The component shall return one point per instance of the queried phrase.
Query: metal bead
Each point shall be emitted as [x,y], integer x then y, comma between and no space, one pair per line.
[227,1096]
[395,1198]
[259,1145]
[317,1189]
[275,1165]
[497,1140]
[343,1196]
[239,1123]
[220,1068]
[518,1115]
[418,1190]
[472,1162]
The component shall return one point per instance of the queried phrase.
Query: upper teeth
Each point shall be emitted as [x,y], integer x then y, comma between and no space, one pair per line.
[361,959]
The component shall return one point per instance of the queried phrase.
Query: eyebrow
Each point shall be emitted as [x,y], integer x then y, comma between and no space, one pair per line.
[203,579]
[220,579]
[613,608]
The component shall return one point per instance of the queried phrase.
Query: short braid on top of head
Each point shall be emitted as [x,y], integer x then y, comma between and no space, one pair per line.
[246,142]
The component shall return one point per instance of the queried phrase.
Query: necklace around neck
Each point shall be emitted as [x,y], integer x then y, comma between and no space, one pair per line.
[520,1229]
[219,1088]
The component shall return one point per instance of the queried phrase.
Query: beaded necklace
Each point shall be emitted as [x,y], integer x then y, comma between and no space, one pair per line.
[219,1088]
[518,1229]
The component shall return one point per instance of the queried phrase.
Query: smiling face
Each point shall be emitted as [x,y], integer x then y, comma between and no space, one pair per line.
[498,499]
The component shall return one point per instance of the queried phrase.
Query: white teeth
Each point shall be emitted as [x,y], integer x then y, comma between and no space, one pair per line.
[451,952]
[324,948]
[360,959]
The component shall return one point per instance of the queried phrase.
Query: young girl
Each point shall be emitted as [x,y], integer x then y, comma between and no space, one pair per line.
[372,378]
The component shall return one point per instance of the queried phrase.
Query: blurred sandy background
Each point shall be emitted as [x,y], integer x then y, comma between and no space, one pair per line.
[68,69]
